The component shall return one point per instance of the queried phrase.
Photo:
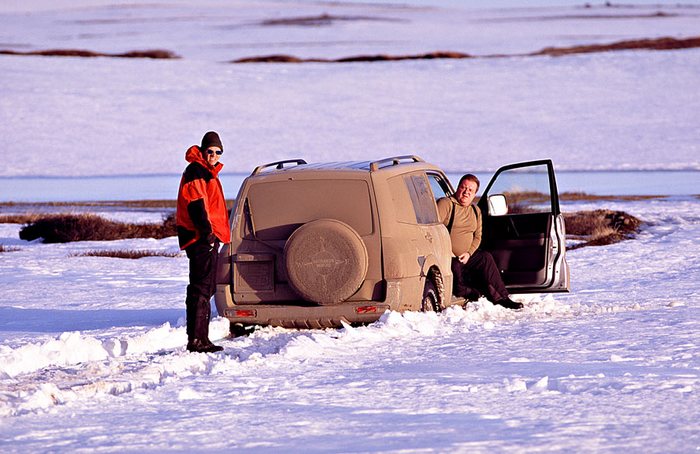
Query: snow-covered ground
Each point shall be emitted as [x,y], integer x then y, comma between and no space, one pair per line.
[92,349]
[92,357]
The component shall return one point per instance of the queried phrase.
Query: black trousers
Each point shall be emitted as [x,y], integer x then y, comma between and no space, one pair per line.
[479,276]
[203,258]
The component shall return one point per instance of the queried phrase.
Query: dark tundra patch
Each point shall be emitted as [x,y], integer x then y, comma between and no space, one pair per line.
[353,59]
[665,43]
[600,227]
[64,228]
[151,53]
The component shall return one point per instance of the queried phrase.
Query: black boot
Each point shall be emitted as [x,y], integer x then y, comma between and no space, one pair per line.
[197,346]
[200,341]
[510,304]
[191,312]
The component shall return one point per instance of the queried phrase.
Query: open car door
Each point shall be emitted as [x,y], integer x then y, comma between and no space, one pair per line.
[523,228]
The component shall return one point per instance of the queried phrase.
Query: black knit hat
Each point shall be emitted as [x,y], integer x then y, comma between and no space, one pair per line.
[211,139]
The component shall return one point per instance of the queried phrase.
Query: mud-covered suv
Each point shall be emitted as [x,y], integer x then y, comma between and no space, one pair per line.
[315,245]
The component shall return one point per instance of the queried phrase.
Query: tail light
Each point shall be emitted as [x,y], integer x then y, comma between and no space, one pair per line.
[366,309]
[244,313]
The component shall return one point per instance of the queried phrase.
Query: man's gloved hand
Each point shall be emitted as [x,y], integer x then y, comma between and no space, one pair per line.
[209,239]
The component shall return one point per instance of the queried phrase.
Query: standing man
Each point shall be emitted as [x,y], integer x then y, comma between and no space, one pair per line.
[475,272]
[202,224]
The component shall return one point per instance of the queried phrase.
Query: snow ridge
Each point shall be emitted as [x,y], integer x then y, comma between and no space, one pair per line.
[78,366]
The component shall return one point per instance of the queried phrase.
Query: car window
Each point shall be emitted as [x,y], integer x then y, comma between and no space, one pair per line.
[280,207]
[526,189]
[422,198]
[439,186]
[413,199]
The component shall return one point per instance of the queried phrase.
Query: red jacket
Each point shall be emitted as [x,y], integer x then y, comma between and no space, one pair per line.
[201,206]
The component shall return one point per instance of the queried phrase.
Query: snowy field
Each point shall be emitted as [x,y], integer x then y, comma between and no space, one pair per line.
[92,358]
[92,350]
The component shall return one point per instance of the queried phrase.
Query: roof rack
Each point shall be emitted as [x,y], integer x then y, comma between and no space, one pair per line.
[279,165]
[396,160]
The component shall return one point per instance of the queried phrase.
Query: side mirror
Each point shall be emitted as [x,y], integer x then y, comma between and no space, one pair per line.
[498,205]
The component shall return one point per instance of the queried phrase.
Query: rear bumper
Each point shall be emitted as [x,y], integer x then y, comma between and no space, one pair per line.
[290,316]
[304,315]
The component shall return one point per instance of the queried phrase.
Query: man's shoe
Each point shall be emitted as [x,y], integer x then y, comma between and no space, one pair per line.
[198,346]
[510,304]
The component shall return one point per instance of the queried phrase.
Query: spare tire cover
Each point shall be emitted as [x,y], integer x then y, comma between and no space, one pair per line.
[326,261]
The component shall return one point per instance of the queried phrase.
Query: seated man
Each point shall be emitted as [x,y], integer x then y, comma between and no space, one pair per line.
[475,271]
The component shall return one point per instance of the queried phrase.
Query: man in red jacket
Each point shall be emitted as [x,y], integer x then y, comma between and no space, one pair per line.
[202,224]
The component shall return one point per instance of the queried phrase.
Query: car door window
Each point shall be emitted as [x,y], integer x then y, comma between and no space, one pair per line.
[439,185]
[526,190]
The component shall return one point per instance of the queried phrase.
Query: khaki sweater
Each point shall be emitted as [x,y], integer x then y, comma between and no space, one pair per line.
[466,227]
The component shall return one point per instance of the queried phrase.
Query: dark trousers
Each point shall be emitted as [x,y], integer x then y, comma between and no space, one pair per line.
[479,276]
[201,288]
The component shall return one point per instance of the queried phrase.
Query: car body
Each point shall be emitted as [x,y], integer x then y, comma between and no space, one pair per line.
[319,245]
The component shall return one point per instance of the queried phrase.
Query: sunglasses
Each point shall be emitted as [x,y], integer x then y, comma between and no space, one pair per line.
[219,152]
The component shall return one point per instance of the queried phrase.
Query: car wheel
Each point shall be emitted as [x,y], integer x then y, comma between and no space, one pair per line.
[240,330]
[326,261]
[430,301]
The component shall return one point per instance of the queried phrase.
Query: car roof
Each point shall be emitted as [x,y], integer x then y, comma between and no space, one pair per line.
[397,164]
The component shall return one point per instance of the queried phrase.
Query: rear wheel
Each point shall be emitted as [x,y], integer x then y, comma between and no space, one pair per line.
[430,301]
[240,330]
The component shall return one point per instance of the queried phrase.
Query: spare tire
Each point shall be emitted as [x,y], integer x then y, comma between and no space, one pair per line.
[326,261]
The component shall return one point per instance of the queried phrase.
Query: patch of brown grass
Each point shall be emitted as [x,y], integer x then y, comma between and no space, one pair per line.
[277,58]
[600,227]
[426,56]
[19,218]
[665,43]
[354,59]
[64,228]
[126,254]
[150,53]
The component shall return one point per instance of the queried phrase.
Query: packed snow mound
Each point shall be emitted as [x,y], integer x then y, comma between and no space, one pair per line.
[78,366]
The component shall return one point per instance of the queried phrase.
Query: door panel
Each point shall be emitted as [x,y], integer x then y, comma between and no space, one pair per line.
[518,243]
[527,241]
